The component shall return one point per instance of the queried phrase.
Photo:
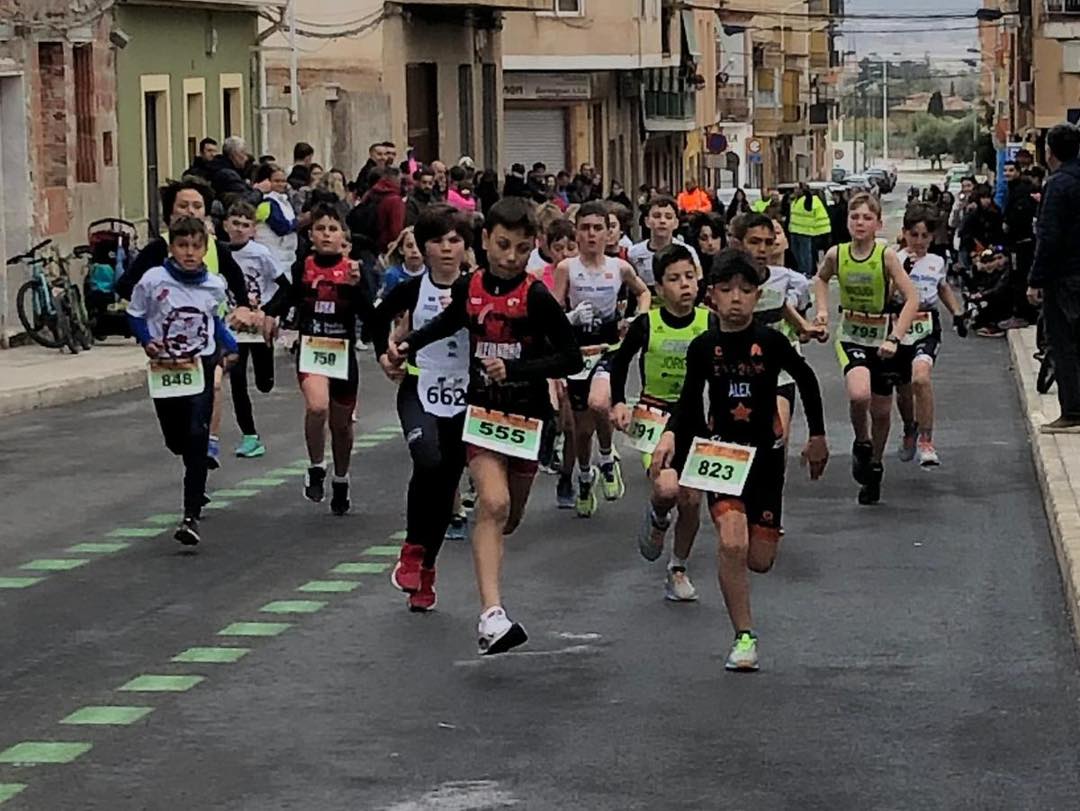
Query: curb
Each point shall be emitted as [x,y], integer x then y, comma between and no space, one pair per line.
[1059,495]
[71,391]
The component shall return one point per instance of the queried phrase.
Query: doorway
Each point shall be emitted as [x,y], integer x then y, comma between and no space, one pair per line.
[422,109]
[155,130]
[15,207]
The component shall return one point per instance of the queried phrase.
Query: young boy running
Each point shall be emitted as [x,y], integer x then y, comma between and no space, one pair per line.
[661,219]
[732,452]
[328,296]
[265,282]
[870,275]
[588,287]
[520,339]
[919,347]
[430,399]
[174,316]
[662,336]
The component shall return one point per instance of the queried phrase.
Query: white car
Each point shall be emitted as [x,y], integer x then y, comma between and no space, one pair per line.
[955,174]
[727,194]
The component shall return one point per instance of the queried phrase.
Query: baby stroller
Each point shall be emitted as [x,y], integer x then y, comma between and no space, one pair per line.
[986,292]
[111,245]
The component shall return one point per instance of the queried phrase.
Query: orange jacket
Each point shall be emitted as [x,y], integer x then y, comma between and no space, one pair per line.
[693,201]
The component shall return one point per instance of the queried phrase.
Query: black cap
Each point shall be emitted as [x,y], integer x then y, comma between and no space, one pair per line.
[732,262]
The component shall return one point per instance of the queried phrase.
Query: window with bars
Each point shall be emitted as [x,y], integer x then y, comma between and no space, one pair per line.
[85,143]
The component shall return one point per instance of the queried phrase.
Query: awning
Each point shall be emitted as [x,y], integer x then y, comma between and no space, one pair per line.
[691,48]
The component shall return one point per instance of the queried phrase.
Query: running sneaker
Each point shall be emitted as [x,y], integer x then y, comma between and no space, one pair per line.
[468,496]
[315,483]
[250,447]
[213,454]
[990,332]
[861,453]
[424,599]
[611,480]
[870,492]
[743,656]
[497,633]
[406,574]
[1062,425]
[187,531]
[339,496]
[928,457]
[564,492]
[1013,323]
[907,445]
[651,537]
[586,497]
[455,530]
[678,588]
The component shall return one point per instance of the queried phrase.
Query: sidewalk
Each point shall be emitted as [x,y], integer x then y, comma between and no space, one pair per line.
[1057,461]
[35,377]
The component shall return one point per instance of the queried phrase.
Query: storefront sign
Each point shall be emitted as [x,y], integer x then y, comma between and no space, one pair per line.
[572,86]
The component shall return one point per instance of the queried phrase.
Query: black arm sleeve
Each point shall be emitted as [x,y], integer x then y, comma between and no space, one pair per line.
[688,418]
[445,323]
[152,256]
[402,298]
[636,338]
[281,298]
[809,391]
[565,356]
[233,276]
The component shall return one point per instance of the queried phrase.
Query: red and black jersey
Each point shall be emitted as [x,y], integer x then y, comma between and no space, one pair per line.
[327,296]
[518,321]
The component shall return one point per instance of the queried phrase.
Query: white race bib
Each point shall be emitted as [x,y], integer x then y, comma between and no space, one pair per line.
[717,467]
[592,355]
[646,427]
[864,329]
[922,327]
[507,434]
[327,357]
[175,378]
[442,393]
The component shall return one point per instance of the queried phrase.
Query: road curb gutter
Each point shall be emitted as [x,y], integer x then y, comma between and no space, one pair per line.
[71,391]
[1049,453]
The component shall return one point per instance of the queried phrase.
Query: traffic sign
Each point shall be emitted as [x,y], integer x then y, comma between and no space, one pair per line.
[753,146]
[716,143]
[838,155]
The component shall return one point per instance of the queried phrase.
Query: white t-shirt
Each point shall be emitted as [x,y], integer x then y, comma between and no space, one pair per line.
[536,263]
[640,258]
[927,274]
[260,272]
[179,315]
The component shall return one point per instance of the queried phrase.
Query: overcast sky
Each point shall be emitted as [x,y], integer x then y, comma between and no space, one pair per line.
[911,37]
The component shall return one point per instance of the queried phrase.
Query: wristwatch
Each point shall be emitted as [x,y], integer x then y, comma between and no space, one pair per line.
[894,339]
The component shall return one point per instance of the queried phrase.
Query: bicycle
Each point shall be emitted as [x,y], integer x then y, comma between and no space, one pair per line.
[50,305]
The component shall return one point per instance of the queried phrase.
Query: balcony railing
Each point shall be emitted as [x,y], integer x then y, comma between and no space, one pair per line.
[733,108]
[680,106]
[1069,7]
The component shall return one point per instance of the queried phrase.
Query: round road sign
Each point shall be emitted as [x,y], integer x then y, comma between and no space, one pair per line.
[753,146]
[838,155]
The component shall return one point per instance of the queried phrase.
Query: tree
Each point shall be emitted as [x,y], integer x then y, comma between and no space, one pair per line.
[936,107]
[962,140]
[932,141]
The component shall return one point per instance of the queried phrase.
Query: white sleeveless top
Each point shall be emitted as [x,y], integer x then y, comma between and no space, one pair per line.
[599,287]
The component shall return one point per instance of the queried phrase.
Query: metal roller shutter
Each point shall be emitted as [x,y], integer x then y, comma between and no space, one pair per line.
[536,135]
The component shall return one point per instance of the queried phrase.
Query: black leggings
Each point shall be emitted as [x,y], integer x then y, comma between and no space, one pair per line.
[438,457]
[262,364]
[185,424]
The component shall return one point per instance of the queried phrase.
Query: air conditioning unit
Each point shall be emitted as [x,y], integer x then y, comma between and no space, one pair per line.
[1026,93]
[1070,57]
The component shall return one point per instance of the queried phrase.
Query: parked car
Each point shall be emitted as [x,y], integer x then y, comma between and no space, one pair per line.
[956,173]
[838,174]
[858,183]
[881,177]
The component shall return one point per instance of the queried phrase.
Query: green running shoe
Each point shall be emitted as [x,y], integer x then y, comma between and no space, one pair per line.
[743,656]
[586,498]
[611,480]
[250,447]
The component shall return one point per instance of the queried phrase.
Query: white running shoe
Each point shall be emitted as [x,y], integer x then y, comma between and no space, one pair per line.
[743,656]
[497,633]
[928,456]
[678,588]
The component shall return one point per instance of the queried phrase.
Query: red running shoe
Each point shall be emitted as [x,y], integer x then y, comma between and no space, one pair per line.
[406,574]
[423,599]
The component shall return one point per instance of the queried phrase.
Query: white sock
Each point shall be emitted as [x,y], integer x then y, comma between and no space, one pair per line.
[494,621]
[341,479]
[676,563]
[585,474]
[606,457]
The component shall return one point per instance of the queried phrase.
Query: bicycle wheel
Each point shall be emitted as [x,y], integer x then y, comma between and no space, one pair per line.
[80,322]
[41,326]
[65,322]
[1045,380]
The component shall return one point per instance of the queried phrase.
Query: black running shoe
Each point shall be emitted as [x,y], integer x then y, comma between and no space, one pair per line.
[870,492]
[861,453]
[315,484]
[339,498]
[187,531]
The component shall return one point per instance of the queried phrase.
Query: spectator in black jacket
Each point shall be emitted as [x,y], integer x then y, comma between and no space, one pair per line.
[200,166]
[1019,227]
[421,195]
[229,172]
[515,185]
[982,226]
[1055,273]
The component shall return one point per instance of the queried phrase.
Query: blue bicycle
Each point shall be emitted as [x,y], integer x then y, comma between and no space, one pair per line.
[49,304]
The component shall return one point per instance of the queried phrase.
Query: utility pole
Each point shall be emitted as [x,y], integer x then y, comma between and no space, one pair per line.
[885,110]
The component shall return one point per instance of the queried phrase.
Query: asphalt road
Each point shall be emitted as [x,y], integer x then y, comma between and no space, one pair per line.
[915,655]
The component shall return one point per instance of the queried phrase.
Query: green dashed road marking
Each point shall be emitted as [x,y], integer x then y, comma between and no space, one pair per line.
[103,548]
[163,519]
[262,482]
[233,493]
[9,790]
[32,753]
[293,607]
[383,551]
[254,629]
[107,716]
[54,564]
[19,582]
[388,429]
[400,535]
[160,684]
[287,471]
[367,445]
[217,505]
[211,655]
[360,568]
[137,532]
[329,586]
